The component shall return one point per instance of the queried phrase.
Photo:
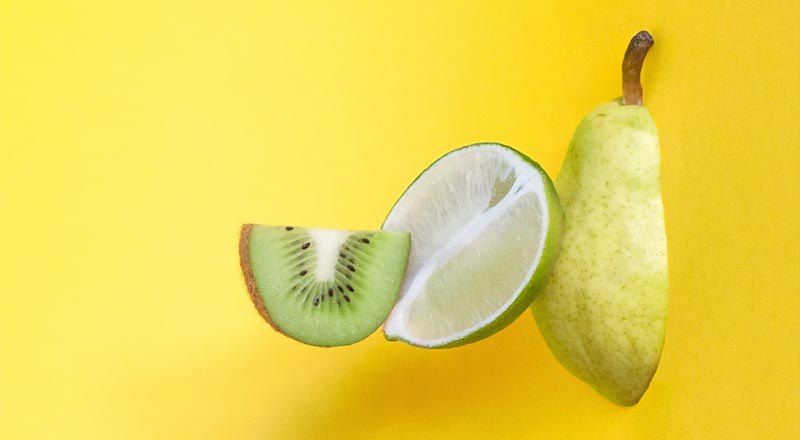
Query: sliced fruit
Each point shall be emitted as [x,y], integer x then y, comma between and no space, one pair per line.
[485,226]
[320,286]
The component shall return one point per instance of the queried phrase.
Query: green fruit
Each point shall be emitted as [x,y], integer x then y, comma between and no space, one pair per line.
[323,287]
[485,225]
[603,310]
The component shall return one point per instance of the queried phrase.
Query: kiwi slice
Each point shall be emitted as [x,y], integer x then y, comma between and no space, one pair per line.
[323,287]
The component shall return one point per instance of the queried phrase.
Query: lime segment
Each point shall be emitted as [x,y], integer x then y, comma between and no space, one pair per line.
[484,221]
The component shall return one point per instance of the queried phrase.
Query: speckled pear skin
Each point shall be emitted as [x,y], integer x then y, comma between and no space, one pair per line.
[603,311]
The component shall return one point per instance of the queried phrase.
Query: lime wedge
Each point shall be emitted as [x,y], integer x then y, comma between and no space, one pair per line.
[485,226]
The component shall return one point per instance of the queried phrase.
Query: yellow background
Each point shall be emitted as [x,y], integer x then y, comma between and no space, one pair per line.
[135,138]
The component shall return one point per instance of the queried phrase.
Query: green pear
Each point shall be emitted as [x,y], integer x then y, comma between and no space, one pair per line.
[603,310]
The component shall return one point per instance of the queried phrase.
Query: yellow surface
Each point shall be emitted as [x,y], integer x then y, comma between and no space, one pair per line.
[136,137]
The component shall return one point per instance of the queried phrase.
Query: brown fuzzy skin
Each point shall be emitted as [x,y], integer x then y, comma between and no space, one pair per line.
[247,270]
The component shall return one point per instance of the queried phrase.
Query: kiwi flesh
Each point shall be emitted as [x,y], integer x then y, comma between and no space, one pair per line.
[323,287]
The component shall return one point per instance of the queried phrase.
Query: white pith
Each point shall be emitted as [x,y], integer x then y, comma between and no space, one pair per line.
[527,180]
[326,244]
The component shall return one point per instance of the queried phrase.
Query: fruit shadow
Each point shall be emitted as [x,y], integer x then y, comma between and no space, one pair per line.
[497,387]
[393,388]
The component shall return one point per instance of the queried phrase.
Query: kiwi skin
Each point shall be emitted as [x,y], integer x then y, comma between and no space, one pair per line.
[249,279]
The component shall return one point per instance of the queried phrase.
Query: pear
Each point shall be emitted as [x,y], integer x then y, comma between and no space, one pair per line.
[603,310]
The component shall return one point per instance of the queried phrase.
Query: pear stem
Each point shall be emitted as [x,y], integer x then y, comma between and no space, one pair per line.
[632,68]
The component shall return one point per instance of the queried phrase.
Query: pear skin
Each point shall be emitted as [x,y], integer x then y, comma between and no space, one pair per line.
[603,310]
